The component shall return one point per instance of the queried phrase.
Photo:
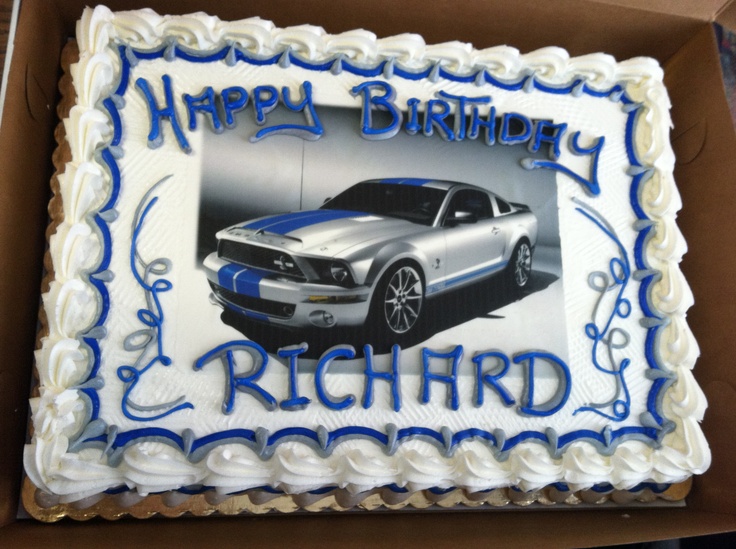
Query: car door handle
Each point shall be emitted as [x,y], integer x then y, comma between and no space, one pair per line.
[495,230]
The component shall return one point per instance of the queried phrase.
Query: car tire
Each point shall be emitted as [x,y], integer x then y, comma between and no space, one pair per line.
[398,301]
[519,270]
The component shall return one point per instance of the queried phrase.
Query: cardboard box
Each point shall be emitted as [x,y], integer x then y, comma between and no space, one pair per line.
[680,36]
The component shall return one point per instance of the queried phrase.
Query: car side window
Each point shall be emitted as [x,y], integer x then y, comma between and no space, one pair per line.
[503,206]
[476,203]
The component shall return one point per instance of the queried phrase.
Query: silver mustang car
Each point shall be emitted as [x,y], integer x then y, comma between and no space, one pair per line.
[372,254]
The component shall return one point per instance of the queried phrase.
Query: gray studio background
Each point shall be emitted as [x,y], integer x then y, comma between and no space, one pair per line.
[243,180]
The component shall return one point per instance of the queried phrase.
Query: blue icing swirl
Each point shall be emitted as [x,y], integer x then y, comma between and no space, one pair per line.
[608,338]
[148,340]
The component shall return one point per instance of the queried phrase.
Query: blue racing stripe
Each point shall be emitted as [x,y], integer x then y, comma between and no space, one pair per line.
[297,222]
[413,181]
[265,222]
[226,274]
[462,278]
[246,283]
[241,280]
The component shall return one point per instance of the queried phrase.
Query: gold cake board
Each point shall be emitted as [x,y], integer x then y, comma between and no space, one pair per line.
[43,507]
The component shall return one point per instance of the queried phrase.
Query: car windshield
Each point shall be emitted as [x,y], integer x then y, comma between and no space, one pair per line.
[415,203]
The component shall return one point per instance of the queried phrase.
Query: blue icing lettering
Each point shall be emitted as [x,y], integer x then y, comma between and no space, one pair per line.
[515,128]
[412,125]
[234,99]
[245,383]
[488,124]
[155,138]
[310,131]
[294,402]
[265,99]
[434,117]
[331,402]
[461,102]
[547,132]
[492,377]
[205,104]
[454,356]
[506,137]
[392,378]
[227,103]
[564,382]
[384,102]
[590,185]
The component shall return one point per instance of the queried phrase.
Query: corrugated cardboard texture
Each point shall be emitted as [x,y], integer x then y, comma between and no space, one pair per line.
[703,135]
[707,181]
[26,145]
[727,17]
[700,9]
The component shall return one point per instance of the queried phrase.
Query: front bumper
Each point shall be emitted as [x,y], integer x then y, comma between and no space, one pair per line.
[274,298]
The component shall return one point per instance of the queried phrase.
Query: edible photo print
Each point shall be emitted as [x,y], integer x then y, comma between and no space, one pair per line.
[408,240]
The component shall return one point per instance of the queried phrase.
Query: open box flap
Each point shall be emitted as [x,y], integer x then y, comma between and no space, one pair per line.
[705,10]
[702,132]
[727,16]
[26,145]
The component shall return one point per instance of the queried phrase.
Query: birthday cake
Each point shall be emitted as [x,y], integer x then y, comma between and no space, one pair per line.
[290,262]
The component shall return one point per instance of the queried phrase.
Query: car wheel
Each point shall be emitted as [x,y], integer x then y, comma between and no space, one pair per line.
[520,265]
[398,301]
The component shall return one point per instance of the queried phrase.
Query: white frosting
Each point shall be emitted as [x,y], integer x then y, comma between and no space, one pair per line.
[72,303]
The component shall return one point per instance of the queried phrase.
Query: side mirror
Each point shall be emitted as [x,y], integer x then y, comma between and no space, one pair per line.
[461,216]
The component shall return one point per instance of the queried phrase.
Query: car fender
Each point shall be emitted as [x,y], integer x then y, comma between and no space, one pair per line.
[392,253]
[525,226]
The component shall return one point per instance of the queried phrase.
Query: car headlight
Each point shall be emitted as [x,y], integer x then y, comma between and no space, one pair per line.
[339,272]
[333,272]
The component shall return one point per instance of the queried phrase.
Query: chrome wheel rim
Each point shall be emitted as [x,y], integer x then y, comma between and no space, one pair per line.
[522,264]
[403,300]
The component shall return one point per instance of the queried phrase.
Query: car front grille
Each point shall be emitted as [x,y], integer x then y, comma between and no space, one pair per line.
[262,258]
[255,304]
